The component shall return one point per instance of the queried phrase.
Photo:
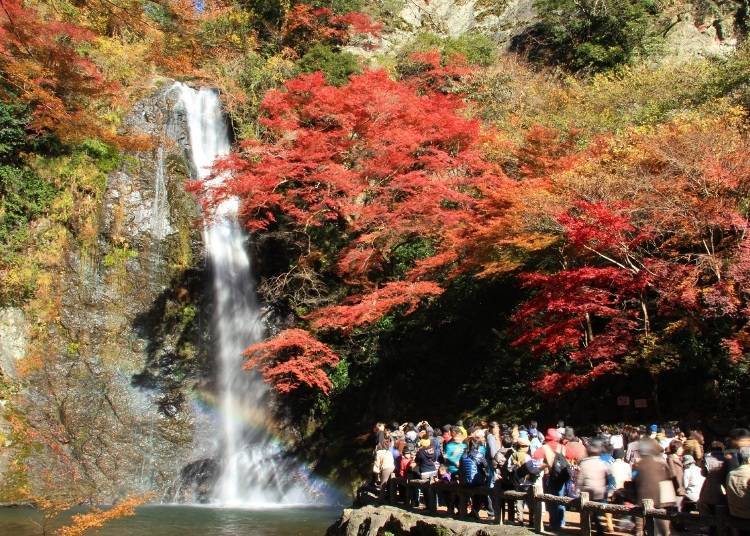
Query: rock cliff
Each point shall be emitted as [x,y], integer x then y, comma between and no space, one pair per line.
[112,365]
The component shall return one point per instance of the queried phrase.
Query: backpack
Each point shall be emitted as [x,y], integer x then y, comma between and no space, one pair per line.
[503,458]
[515,473]
[560,470]
[498,460]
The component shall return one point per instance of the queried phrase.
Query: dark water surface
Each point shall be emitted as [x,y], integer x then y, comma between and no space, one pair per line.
[189,520]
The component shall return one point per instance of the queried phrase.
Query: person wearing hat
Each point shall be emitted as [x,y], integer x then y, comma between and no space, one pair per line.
[426,460]
[693,482]
[553,484]
[523,472]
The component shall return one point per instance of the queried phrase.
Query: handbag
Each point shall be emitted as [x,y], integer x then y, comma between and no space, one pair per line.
[667,494]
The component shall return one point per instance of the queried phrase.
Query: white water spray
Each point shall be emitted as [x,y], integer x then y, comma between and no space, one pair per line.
[253,471]
[160,227]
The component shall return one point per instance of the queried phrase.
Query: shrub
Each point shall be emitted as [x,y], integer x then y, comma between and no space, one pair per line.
[592,35]
[478,49]
[337,66]
[23,194]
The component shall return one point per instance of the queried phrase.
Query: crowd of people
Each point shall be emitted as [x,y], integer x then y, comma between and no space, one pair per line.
[620,464]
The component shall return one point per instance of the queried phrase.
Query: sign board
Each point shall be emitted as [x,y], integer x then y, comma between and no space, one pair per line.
[640,403]
[623,400]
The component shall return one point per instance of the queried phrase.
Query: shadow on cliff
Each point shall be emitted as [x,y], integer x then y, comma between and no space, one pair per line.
[178,330]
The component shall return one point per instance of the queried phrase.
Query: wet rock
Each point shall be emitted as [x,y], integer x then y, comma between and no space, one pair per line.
[197,481]
[129,309]
[13,339]
[376,520]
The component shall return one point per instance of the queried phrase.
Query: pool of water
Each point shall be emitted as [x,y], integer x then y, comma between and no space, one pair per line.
[188,520]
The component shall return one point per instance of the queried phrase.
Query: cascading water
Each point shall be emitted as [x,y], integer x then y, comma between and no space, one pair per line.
[254,472]
[160,227]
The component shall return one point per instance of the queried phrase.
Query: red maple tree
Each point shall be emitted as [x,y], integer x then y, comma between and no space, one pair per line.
[306,25]
[41,65]
[382,162]
[653,257]
[291,359]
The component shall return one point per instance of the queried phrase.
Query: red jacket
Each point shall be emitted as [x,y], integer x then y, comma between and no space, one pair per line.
[403,467]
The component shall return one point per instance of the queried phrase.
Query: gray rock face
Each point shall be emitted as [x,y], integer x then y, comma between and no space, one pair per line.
[501,21]
[13,339]
[687,39]
[136,207]
[129,343]
[373,521]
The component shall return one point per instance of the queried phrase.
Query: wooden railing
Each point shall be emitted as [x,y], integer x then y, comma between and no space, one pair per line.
[403,491]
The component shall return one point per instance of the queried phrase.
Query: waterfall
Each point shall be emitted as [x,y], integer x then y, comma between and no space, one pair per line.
[254,471]
[160,227]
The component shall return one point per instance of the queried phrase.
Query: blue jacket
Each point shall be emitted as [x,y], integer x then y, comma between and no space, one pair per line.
[473,468]
[452,455]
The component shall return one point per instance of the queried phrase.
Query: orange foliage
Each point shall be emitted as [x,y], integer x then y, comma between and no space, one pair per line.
[41,65]
[81,523]
[653,243]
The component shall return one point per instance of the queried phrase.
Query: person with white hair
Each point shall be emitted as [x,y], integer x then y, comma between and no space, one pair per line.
[692,482]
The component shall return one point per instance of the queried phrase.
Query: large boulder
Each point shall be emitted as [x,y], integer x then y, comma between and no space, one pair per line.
[380,520]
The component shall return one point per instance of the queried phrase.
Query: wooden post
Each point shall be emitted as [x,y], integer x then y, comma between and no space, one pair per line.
[430,495]
[722,520]
[500,508]
[463,504]
[585,515]
[496,496]
[649,522]
[510,506]
[535,504]
[391,491]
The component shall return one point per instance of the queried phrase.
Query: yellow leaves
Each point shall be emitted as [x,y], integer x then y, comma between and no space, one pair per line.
[123,59]
[81,523]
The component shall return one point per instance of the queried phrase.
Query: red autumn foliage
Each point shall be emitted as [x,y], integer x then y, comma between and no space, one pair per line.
[363,310]
[378,160]
[585,313]
[41,65]
[659,254]
[291,359]
[306,25]
[373,157]
[546,151]
[603,228]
